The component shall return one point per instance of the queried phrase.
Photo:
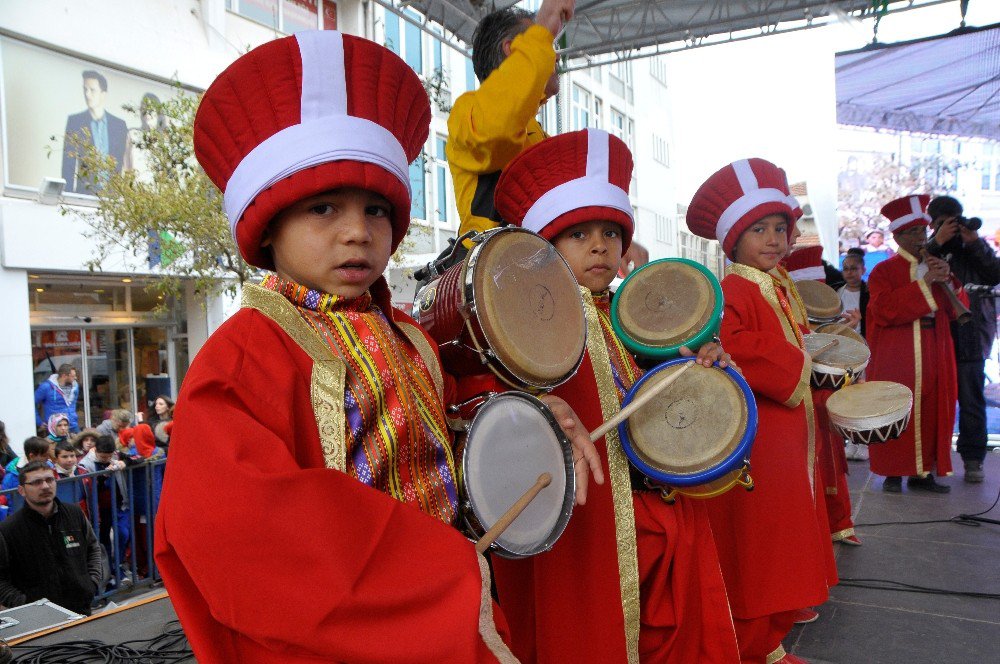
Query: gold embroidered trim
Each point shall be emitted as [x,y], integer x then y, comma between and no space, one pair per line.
[795,301]
[811,438]
[804,387]
[918,373]
[621,485]
[488,628]
[776,655]
[420,342]
[842,534]
[831,491]
[326,385]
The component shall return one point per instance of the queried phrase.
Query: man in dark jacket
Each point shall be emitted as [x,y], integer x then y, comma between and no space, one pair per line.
[47,548]
[973,262]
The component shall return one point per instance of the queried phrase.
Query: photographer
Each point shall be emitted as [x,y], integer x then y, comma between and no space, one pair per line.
[972,261]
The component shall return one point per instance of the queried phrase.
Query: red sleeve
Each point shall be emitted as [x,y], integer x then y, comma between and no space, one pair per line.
[895,300]
[259,543]
[752,334]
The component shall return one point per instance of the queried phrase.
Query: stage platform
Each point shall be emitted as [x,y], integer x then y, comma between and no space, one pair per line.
[889,627]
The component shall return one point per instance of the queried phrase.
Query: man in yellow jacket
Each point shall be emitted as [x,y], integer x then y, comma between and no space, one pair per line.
[515,61]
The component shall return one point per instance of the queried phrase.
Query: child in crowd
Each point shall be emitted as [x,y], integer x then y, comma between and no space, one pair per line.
[310,450]
[58,426]
[85,441]
[139,442]
[854,293]
[104,457]
[66,467]
[653,590]
[774,543]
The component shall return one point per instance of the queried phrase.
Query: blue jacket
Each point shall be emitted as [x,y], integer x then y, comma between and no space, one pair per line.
[52,400]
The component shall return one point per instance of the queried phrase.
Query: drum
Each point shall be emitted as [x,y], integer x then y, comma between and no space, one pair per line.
[666,304]
[838,366]
[872,412]
[513,438]
[512,307]
[841,330]
[695,437]
[823,304]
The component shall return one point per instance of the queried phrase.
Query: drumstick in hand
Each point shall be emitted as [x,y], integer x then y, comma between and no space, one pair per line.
[515,511]
[829,346]
[638,403]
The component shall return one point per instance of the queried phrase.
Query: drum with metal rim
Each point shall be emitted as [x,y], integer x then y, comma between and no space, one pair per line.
[512,307]
[838,366]
[512,439]
[823,304]
[869,413]
[841,330]
[695,437]
[666,304]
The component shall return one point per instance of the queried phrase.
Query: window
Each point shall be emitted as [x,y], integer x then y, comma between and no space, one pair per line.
[661,151]
[597,119]
[580,105]
[665,229]
[623,127]
[438,52]
[418,204]
[414,44]
[596,73]
[470,75]
[441,178]
[288,16]
[621,80]
[990,167]
[658,69]
[262,11]
[299,15]
[392,40]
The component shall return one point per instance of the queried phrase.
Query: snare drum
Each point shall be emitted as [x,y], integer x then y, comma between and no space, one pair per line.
[512,306]
[872,412]
[666,304]
[823,304]
[513,438]
[841,330]
[695,437]
[838,366]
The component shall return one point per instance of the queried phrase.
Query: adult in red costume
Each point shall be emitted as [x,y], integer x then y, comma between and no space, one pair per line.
[773,542]
[301,519]
[653,590]
[910,336]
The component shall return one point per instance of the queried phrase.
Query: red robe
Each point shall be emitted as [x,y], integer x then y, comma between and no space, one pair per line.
[631,578]
[269,555]
[922,358]
[774,544]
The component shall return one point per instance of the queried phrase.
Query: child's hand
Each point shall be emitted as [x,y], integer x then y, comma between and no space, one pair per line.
[709,354]
[851,317]
[584,453]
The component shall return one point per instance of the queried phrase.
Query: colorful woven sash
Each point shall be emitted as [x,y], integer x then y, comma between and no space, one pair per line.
[623,366]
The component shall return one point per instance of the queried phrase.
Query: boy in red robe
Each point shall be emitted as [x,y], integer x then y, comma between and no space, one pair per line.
[307,515]
[653,590]
[910,336]
[774,545]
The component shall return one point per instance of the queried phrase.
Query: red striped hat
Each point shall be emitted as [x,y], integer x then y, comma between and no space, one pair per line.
[737,196]
[306,114]
[907,211]
[566,180]
[806,263]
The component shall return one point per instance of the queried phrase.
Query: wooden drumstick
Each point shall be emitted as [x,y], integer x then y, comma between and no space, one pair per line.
[639,402]
[829,346]
[515,510]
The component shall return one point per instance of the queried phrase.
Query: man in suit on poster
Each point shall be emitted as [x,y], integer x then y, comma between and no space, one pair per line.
[107,133]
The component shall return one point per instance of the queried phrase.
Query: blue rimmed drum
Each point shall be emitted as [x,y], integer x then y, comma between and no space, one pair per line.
[695,437]
[666,304]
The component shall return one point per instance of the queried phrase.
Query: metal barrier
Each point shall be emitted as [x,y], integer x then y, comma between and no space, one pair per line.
[128,517]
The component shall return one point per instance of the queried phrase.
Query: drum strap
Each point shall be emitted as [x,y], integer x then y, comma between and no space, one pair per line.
[621,483]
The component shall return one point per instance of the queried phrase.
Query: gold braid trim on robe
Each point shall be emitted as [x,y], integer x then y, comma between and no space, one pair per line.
[326,386]
[918,365]
[621,484]
[803,392]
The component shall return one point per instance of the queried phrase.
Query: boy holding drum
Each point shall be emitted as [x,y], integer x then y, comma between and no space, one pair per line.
[774,544]
[311,467]
[652,588]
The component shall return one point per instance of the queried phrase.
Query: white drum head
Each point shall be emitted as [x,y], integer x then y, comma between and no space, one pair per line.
[512,440]
[847,356]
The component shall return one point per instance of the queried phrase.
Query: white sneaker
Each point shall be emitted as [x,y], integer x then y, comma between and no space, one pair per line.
[861,454]
[851,451]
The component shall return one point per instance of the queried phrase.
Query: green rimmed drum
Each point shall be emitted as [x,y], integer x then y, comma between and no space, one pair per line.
[666,304]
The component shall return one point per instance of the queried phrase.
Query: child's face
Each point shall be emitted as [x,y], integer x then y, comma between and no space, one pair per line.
[593,250]
[764,244]
[338,242]
[88,444]
[796,234]
[66,460]
[853,270]
[62,428]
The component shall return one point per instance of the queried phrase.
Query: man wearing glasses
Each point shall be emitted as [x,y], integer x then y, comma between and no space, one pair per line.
[48,548]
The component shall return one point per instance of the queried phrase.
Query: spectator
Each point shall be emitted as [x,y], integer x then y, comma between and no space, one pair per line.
[138,442]
[58,394]
[119,419]
[854,292]
[6,453]
[876,250]
[84,441]
[163,413]
[67,467]
[104,457]
[972,262]
[35,449]
[58,427]
[48,549]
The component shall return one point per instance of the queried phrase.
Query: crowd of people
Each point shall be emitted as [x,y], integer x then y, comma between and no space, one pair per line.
[336,428]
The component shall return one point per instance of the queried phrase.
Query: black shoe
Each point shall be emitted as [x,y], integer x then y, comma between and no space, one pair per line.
[974,472]
[927,484]
[893,484]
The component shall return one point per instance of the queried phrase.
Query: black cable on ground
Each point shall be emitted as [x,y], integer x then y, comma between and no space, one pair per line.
[169,647]
[960,519]
[886,584]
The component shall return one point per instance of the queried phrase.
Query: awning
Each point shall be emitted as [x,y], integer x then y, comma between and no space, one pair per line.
[941,85]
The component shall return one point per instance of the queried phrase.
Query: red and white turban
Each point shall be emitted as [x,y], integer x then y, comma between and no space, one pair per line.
[907,211]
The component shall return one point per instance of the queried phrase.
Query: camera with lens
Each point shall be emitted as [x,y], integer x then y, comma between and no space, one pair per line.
[971,223]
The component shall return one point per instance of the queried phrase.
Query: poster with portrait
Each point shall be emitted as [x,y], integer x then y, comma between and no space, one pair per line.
[47,95]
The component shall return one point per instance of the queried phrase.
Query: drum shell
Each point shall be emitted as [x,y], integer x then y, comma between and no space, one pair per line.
[874,436]
[711,481]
